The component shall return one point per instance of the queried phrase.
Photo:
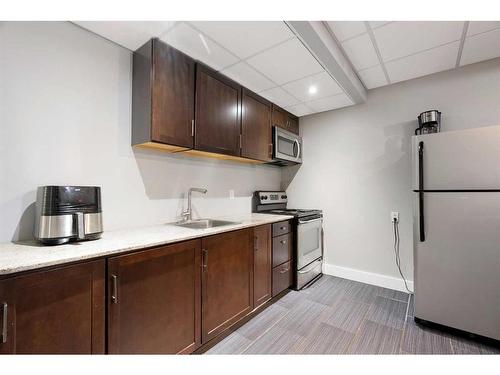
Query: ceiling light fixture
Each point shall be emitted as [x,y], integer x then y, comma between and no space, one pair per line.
[313,90]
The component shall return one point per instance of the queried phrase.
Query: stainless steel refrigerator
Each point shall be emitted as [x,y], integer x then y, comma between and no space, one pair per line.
[456,188]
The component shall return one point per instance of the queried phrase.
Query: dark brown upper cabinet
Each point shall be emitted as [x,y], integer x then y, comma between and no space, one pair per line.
[58,311]
[285,120]
[163,97]
[154,300]
[256,141]
[218,113]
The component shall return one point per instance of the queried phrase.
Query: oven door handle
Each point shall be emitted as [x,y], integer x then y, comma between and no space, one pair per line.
[310,221]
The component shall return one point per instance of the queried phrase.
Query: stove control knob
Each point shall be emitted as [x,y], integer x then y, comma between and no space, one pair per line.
[283,197]
[264,197]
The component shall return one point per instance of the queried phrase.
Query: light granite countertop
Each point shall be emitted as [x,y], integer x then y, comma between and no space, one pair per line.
[29,255]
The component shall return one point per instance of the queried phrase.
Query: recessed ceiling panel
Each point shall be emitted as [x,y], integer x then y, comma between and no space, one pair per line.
[313,87]
[421,64]
[130,34]
[299,110]
[477,27]
[329,103]
[373,77]
[361,52]
[286,62]
[195,44]
[245,38]
[347,29]
[481,47]
[280,97]
[399,39]
[248,77]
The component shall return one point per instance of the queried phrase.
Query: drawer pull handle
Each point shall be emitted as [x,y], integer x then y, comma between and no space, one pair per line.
[282,228]
[256,243]
[285,270]
[283,242]
[4,324]
[114,286]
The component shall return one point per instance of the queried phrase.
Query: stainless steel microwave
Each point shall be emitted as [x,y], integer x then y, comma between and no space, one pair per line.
[287,147]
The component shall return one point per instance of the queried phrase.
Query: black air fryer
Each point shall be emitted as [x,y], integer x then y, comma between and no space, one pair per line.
[68,213]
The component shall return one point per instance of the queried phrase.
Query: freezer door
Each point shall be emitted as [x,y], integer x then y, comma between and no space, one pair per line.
[457,267]
[464,159]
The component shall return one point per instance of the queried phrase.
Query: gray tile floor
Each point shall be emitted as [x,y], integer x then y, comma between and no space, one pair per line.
[339,316]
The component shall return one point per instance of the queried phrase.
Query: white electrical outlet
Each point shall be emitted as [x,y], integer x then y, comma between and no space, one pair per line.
[395,215]
[231,194]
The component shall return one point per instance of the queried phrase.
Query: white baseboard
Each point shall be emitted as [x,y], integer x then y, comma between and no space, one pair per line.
[367,277]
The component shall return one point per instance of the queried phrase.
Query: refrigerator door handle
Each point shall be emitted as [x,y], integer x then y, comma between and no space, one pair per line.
[421,190]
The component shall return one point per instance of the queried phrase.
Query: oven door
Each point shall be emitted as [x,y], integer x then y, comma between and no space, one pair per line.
[309,243]
[287,146]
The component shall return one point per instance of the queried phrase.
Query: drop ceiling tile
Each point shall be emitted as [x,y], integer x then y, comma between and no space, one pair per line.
[280,97]
[347,29]
[324,84]
[245,38]
[399,39]
[481,47]
[130,34]
[300,110]
[193,43]
[375,24]
[247,76]
[286,62]
[423,63]
[477,27]
[332,102]
[373,77]
[361,52]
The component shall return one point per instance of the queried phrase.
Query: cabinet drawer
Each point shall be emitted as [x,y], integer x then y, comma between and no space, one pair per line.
[282,249]
[282,227]
[282,277]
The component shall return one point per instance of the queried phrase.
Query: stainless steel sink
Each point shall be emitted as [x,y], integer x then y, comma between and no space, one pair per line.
[205,223]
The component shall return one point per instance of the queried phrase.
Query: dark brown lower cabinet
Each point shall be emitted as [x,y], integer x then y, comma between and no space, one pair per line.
[154,300]
[59,311]
[262,265]
[227,280]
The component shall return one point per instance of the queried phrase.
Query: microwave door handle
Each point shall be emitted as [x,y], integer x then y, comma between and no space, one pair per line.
[295,142]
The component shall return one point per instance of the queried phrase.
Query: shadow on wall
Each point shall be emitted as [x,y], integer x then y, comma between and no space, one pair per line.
[25,227]
[170,175]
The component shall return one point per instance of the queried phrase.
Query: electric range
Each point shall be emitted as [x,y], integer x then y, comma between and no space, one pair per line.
[308,234]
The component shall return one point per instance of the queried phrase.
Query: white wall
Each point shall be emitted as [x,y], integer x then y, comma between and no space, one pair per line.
[357,165]
[65,118]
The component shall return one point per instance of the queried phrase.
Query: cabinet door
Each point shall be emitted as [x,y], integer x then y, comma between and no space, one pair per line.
[293,123]
[59,311]
[218,114]
[154,300]
[255,127]
[227,280]
[173,83]
[279,117]
[262,265]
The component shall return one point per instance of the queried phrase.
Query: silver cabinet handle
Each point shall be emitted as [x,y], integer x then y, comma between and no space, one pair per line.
[114,286]
[283,242]
[205,259]
[192,128]
[284,270]
[282,228]
[4,324]
[256,243]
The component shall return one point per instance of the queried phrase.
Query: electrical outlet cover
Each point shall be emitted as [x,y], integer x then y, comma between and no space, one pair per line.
[395,215]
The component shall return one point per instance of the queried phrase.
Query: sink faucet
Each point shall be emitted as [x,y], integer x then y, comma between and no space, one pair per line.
[187,215]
